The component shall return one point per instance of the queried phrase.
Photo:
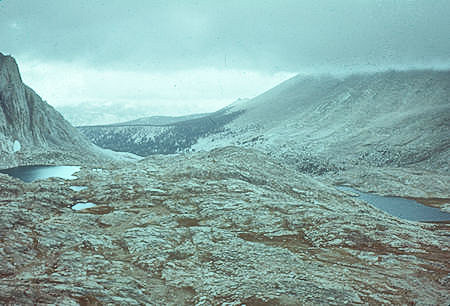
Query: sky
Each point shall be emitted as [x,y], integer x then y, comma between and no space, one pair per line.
[185,56]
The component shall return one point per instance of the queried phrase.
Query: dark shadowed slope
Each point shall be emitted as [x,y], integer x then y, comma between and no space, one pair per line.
[152,135]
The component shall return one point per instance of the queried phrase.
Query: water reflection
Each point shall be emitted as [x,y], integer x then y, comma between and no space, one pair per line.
[32,173]
[400,207]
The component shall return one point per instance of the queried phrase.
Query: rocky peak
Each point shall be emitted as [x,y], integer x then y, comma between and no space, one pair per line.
[28,125]
[9,71]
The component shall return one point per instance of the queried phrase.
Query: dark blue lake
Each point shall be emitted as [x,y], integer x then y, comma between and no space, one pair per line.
[400,207]
[32,173]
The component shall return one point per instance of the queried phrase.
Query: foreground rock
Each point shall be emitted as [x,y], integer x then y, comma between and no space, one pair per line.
[228,226]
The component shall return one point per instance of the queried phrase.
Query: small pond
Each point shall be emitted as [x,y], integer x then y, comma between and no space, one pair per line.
[32,173]
[78,188]
[80,206]
[401,207]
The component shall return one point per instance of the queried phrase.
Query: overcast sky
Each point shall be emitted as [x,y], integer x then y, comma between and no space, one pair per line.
[193,56]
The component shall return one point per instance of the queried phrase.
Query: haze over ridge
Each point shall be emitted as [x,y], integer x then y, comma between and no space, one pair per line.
[246,46]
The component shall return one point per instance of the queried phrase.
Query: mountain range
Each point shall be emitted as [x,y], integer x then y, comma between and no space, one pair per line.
[89,113]
[315,124]
[248,210]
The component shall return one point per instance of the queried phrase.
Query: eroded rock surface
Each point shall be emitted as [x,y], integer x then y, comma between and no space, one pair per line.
[33,132]
[226,226]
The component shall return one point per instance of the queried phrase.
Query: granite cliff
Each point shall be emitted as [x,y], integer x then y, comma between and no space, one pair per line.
[31,131]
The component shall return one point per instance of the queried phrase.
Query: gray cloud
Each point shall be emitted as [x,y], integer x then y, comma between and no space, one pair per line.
[183,56]
[267,35]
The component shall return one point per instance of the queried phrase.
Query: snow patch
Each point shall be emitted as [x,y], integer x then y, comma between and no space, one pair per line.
[120,156]
[16,146]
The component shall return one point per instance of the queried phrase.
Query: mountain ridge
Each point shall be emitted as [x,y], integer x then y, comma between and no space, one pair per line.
[325,123]
[31,130]
[375,120]
[169,138]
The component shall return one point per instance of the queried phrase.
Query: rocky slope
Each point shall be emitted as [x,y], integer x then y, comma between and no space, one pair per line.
[228,226]
[394,119]
[323,124]
[31,131]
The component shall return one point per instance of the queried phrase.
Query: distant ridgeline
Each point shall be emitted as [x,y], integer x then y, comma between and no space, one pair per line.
[148,139]
[316,124]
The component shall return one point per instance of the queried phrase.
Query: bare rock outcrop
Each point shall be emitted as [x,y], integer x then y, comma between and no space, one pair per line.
[231,226]
[31,131]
